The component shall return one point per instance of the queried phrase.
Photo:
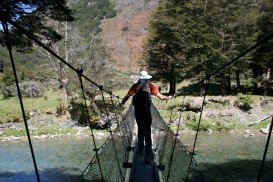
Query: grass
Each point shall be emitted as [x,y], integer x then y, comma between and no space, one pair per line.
[189,119]
[43,131]
[10,109]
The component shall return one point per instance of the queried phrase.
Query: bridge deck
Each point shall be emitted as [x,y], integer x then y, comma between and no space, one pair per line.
[142,172]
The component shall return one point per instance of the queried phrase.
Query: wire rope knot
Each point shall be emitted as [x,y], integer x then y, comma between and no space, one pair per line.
[79,72]
[101,87]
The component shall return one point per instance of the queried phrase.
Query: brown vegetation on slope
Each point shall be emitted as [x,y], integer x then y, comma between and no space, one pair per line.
[126,33]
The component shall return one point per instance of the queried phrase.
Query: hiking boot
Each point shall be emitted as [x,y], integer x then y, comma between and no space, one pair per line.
[140,150]
[148,160]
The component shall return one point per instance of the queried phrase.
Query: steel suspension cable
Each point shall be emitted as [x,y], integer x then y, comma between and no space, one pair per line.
[6,31]
[110,130]
[265,151]
[79,72]
[198,126]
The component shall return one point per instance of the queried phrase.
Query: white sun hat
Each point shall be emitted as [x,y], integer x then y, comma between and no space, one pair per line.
[144,75]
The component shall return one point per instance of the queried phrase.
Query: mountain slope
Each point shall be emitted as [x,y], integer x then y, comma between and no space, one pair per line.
[126,33]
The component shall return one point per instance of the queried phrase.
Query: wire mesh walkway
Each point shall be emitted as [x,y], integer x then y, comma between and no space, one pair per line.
[164,141]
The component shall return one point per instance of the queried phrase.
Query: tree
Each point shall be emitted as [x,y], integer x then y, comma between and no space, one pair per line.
[262,63]
[32,15]
[164,48]
[199,37]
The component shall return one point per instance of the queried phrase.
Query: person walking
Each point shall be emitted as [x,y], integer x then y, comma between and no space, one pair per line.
[141,92]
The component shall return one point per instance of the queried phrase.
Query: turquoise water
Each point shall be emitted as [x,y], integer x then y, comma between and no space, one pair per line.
[58,160]
[226,157]
[221,157]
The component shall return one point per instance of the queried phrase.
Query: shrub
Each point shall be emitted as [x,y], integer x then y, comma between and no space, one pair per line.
[244,102]
[28,89]
[78,112]
[204,125]
[61,109]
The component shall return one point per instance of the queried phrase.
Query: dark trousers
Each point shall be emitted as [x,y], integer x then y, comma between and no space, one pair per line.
[144,121]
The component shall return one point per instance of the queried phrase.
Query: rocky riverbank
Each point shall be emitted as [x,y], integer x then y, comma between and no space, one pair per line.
[43,127]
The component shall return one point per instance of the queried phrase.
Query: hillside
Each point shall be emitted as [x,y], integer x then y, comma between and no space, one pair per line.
[126,33]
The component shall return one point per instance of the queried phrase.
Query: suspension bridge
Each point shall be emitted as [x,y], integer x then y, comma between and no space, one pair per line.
[116,160]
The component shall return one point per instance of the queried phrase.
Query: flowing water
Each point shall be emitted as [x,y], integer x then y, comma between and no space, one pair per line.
[221,157]
[57,160]
[231,157]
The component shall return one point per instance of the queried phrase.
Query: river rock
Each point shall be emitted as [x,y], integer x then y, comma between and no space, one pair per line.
[43,136]
[14,137]
[31,113]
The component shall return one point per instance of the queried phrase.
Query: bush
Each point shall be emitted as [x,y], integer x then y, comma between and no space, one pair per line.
[28,89]
[244,102]
[31,89]
[204,125]
[7,92]
[61,109]
[78,112]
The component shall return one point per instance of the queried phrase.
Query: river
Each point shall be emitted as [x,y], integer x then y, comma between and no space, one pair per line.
[232,157]
[221,157]
[57,160]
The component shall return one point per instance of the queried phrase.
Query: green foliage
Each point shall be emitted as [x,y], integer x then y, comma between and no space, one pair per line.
[61,109]
[78,112]
[262,62]
[244,102]
[10,109]
[206,126]
[94,12]
[194,38]
[31,15]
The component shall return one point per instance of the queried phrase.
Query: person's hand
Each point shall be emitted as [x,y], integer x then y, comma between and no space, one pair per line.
[170,96]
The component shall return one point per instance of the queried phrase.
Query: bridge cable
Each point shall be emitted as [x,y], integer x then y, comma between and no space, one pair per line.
[110,130]
[265,151]
[80,74]
[6,31]
[199,121]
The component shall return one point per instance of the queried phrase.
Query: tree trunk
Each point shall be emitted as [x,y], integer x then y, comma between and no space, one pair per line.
[172,89]
[228,79]
[202,88]
[64,88]
[205,6]
[225,84]
[265,78]
[238,82]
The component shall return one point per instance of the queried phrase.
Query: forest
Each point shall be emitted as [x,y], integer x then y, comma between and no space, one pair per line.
[191,39]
